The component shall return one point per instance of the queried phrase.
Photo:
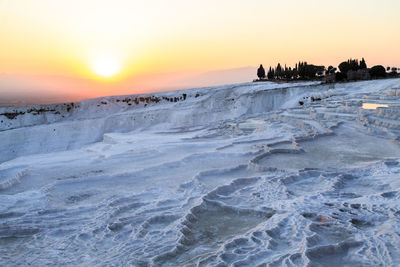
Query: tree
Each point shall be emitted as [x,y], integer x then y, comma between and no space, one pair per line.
[340,76]
[295,74]
[302,69]
[309,71]
[331,70]
[289,73]
[271,74]
[354,64]
[377,71]
[388,68]
[278,71]
[261,72]
[393,72]
[344,67]
[363,65]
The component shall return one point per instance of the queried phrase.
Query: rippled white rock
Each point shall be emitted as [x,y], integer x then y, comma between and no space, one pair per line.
[249,174]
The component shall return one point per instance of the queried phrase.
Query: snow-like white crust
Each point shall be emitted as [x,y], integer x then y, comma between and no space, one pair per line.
[260,173]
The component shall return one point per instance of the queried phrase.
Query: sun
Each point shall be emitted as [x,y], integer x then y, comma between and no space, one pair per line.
[106,66]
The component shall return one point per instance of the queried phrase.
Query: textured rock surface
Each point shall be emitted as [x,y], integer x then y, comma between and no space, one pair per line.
[246,175]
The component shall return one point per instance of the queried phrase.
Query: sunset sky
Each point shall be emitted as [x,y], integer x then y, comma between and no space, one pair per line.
[93,47]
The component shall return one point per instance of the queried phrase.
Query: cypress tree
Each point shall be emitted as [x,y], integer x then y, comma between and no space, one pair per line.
[261,72]
[270,74]
[363,65]
[278,71]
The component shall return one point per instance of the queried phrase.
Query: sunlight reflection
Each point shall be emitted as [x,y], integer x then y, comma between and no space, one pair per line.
[373,106]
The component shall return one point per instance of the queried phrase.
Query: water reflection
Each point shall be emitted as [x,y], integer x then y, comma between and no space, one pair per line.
[373,106]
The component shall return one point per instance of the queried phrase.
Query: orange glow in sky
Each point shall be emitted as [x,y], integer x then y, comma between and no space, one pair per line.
[129,46]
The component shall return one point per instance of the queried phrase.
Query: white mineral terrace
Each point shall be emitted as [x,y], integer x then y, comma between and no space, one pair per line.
[249,174]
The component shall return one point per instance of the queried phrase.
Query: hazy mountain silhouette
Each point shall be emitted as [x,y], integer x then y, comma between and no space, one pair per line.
[42,89]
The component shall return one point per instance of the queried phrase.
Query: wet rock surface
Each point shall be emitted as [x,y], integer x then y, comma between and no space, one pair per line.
[240,175]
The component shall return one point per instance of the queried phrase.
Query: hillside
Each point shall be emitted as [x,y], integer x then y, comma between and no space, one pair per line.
[245,174]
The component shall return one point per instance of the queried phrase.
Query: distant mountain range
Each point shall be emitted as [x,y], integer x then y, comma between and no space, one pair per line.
[20,90]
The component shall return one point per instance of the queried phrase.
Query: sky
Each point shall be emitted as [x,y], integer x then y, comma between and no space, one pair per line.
[96,47]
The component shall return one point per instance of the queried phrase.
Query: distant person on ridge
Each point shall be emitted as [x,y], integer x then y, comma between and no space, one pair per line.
[261,72]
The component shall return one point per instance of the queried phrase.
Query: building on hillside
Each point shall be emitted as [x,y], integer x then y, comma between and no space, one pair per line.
[330,78]
[361,74]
